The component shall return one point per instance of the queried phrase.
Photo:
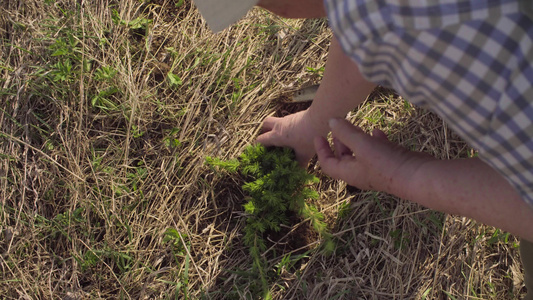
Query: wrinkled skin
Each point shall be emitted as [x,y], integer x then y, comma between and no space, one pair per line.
[342,88]
[291,131]
[369,162]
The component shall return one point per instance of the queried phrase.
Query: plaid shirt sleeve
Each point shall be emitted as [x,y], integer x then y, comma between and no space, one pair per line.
[469,61]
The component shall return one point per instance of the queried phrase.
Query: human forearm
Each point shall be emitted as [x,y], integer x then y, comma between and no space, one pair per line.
[342,89]
[467,187]
[295,8]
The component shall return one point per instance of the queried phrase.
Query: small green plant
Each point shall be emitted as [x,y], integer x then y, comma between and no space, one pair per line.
[92,257]
[344,210]
[136,132]
[138,23]
[180,248]
[66,47]
[171,140]
[103,100]
[174,80]
[275,186]
[288,261]
[316,71]
[400,238]
[105,73]
[62,71]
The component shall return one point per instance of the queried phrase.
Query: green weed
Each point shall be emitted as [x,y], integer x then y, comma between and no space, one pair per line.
[400,239]
[135,24]
[105,73]
[316,71]
[344,210]
[450,296]
[180,248]
[171,140]
[497,237]
[288,261]
[104,100]
[173,80]
[94,257]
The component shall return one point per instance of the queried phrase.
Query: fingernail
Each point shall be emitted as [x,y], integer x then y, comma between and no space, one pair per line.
[333,122]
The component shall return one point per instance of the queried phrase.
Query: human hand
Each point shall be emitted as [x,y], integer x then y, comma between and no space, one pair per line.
[295,131]
[369,162]
[295,8]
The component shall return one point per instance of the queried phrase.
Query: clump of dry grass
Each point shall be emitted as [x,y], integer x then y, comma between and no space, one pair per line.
[103,189]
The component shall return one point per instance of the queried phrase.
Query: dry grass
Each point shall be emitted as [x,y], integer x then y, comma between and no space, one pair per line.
[99,161]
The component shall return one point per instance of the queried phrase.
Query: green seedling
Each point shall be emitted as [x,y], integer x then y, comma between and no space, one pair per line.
[66,47]
[171,140]
[135,179]
[105,73]
[136,132]
[61,223]
[238,90]
[344,210]
[88,260]
[181,249]
[122,260]
[92,257]
[174,80]
[103,100]
[491,288]
[498,236]
[432,223]
[400,239]
[316,71]
[137,23]
[288,261]
[376,117]
[275,186]
[62,71]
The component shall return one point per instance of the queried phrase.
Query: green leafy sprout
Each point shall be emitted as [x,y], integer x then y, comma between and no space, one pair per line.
[275,186]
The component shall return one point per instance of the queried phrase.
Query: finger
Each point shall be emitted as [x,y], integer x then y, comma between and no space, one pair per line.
[323,149]
[330,164]
[268,139]
[380,134]
[341,149]
[350,135]
[303,160]
[269,123]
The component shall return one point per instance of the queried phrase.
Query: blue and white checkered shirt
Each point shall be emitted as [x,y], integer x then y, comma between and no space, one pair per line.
[470,61]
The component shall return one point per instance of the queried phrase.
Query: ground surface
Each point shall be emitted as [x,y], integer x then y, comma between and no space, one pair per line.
[107,112]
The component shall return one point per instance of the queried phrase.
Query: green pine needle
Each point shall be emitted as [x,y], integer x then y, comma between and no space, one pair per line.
[276,184]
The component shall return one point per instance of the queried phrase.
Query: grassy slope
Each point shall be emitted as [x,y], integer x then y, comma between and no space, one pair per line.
[103,191]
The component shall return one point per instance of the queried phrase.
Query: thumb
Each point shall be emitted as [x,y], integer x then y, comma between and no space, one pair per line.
[350,135]
[380,134]
[267,139]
